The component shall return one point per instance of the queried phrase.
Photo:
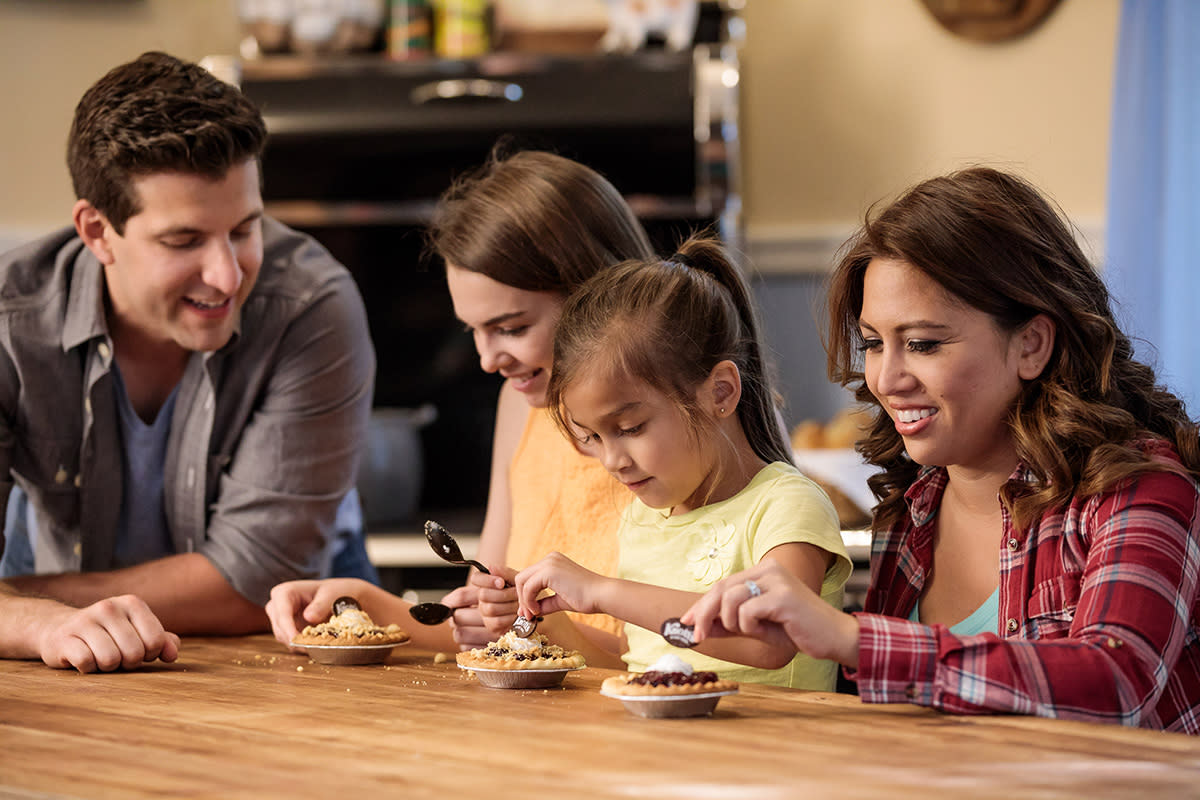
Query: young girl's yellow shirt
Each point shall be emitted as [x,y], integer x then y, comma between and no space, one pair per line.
[693,551]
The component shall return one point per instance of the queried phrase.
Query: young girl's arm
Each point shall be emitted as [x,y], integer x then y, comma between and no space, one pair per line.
[645,605]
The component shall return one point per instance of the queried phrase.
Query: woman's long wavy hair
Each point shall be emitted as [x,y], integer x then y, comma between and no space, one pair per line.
[667,324]
[993,241]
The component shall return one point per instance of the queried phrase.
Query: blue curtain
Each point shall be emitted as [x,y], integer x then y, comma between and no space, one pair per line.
[1152,260]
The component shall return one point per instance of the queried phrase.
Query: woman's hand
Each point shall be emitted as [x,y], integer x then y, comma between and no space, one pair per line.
[496,598]
[466,623]
[111,633]
[731,608]
[295,604]
[575,588]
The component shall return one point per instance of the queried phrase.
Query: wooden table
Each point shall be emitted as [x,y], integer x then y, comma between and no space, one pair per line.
[242,718]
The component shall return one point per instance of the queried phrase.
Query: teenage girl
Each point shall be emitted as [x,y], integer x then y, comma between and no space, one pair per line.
[659,374]
[517,236]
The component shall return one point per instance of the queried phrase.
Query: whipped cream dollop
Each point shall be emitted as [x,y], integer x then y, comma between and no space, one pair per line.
[516,644]
[352,617]
[671,663]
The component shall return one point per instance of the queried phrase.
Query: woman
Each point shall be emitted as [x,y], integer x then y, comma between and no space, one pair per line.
[1037,537]
[517,236]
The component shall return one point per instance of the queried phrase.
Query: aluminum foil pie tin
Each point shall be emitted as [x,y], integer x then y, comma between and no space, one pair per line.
[519,678]
[349,655]
[665,706]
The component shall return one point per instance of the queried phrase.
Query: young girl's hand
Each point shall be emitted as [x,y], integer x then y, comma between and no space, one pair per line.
[731,607]
[575,588]
[496,599]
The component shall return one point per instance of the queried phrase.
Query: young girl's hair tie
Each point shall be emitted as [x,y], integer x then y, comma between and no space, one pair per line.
[682,260]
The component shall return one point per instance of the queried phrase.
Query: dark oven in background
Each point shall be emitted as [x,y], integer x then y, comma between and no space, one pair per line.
[359,150]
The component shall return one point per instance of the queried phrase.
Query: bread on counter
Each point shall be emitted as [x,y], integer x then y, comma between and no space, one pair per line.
[840,433]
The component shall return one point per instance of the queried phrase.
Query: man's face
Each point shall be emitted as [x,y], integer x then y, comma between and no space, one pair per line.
[187,261]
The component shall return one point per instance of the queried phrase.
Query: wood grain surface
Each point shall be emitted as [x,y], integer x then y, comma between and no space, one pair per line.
[243,718]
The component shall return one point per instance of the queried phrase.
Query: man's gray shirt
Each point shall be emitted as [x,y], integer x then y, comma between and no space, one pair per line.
[266,433]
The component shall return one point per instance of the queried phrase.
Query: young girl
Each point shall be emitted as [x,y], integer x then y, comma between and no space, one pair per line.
[659,374]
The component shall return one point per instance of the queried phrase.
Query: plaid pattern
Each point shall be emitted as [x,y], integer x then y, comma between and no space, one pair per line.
[1098,612]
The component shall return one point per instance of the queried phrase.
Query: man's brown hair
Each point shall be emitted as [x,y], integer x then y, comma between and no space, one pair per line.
[157,114]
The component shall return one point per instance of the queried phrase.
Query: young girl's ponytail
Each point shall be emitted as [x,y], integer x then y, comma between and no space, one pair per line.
[758,409]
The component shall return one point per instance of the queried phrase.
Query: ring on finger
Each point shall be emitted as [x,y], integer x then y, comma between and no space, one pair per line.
[753,587]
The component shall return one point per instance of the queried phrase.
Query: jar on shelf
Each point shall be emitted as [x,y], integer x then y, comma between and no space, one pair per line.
[460,28]
[410,29]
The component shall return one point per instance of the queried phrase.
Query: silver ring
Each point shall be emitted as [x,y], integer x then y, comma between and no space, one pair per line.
[753,587]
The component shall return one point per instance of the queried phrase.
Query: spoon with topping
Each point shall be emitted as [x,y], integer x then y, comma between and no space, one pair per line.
[343,604]
[680,635]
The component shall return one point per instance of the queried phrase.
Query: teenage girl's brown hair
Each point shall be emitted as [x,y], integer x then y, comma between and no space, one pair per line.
[157,114]
[667,324]
[535,221]
[994,242]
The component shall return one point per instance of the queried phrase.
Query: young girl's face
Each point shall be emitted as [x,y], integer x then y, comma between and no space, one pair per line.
[944,371]
[643,440]
[513,328]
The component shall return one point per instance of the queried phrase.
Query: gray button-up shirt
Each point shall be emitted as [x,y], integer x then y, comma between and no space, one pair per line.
[266,434]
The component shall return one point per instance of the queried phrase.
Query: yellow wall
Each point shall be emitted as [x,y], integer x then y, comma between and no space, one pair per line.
[844,100]
[50,52]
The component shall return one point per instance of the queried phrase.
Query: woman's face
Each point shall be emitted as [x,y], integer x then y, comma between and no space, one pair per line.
[944,371]
[513,328]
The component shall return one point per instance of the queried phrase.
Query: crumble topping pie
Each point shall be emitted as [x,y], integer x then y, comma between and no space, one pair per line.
[512,652]
[350,626]
[670,676]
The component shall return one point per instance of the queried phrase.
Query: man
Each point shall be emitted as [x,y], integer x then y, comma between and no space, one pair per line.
[184,383]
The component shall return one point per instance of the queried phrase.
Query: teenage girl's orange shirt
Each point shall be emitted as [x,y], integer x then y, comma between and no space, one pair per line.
[563,500]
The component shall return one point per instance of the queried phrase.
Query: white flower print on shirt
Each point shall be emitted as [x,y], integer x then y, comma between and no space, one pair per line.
[712,558]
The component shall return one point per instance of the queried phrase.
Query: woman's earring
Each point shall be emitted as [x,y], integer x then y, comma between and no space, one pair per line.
[722,411]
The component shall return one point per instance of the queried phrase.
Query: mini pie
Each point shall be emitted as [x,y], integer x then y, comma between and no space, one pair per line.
[350,626]
[666,684]
[512,652]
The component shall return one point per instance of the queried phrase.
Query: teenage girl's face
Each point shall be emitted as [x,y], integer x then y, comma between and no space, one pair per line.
[642,439]
[513,329]
[944,371]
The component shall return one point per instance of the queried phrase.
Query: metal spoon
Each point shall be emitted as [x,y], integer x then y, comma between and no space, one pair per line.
[343,604]
[678,634]
[431,613]
[444,545]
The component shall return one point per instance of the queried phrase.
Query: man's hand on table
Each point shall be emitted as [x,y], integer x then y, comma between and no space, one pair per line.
[109,634]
